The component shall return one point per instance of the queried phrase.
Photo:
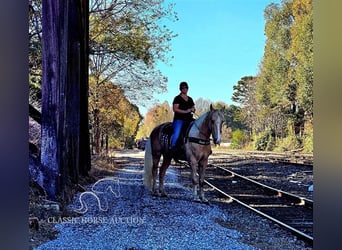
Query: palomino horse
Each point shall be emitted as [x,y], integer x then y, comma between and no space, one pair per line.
[197,150]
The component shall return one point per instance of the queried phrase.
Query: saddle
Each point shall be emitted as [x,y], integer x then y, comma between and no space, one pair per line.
[166,133]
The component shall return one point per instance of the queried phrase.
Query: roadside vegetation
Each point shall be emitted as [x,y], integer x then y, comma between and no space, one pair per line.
[108,69]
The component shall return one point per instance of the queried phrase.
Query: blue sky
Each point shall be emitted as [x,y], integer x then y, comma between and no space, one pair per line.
[218,43]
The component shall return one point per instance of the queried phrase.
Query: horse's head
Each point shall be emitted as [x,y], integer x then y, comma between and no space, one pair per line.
[216,121]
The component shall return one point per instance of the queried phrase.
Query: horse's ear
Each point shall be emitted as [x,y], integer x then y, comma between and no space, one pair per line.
[211,107]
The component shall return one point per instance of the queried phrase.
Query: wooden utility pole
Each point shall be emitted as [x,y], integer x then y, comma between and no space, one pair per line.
[65,151]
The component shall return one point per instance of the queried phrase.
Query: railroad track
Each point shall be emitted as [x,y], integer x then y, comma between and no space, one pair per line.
[293,156]
[290,211]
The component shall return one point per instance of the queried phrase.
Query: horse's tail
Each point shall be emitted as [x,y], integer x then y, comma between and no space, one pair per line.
[148,165]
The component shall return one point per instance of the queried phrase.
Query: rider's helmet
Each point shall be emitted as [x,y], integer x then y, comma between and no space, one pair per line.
[183,85]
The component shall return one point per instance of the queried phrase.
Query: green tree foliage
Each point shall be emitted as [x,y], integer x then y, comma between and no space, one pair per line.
[272,80]
[126,42]
[308,139]
[276,105]
[265,141]
[284,83]
[231,117]
[291,141]
[239,139]
[300,54]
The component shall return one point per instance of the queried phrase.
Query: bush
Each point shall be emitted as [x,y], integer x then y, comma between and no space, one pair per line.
[264,141]
[288,143]
[308,140]
[239,139]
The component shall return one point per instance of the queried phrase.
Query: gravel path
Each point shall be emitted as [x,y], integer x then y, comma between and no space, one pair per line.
[134,219]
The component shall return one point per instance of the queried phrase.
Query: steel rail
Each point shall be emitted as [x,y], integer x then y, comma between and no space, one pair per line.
[294,230]
[303,200]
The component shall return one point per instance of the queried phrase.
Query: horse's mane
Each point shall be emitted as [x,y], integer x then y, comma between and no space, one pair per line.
[202,117]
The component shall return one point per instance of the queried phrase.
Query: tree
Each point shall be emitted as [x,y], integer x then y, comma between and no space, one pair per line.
[202,106]
[232,120]
[35,52]
[104,97]
[121,123]
[272,79]
[300,54]
[277,87]
[284,83]
[155,116]
[65,140]
[244,94]
[126,42]
[114,119]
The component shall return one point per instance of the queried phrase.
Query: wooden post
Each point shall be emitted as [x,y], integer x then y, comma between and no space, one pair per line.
[64,94]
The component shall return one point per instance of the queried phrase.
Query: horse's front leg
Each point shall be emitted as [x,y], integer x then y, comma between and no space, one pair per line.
[162,172]
[195,190]
[202,166]
[194,177]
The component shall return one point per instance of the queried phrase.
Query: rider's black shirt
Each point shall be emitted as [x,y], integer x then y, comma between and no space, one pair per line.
[184,105]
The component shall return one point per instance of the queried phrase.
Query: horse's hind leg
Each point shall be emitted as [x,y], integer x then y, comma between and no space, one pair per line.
[162,171]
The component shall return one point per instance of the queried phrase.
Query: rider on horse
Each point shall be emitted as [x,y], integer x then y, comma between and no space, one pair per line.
[196,150]
[183,107]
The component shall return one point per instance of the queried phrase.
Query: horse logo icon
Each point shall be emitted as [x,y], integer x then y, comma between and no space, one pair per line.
[99,189]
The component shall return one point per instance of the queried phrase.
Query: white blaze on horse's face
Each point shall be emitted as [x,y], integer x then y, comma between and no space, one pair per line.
[217,121]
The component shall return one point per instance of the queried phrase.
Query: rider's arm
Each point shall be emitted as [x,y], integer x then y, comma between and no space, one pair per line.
[178,110]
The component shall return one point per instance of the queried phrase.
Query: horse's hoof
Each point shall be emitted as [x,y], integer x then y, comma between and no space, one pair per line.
[205,201]
[155,194]
[196,199]
[163,195]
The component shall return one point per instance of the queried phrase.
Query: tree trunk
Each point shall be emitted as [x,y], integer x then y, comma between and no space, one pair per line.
[64,92]
[107,142]
[85,155]
[97,132]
